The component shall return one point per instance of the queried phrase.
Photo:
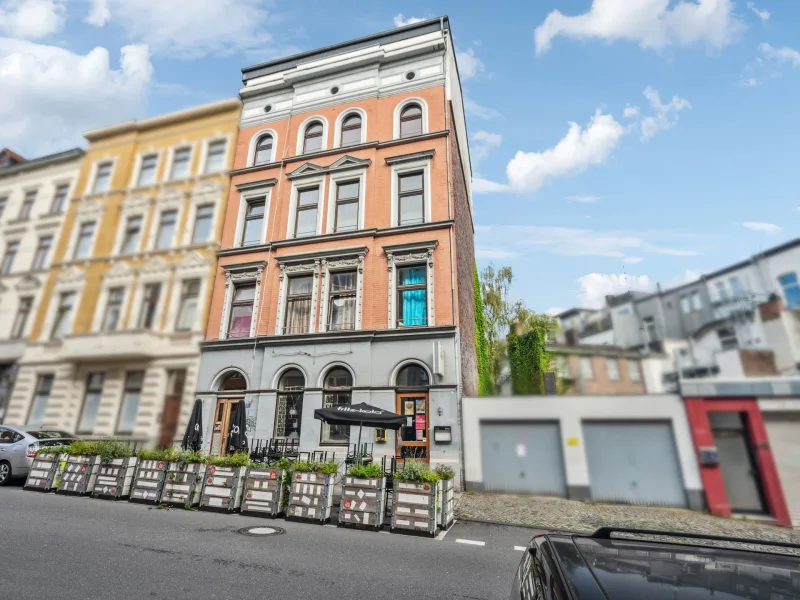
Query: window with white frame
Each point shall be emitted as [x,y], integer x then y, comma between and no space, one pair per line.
[203,219]
[412,296]
[351,130]
[727,338]
[42,252]
[722,290]
[241,311]
[306,212]
[263,154]
[83,247]
[187,305]
[91,402]
[12,248]
[411,120]
[342,294]
[113,314]
[132,234]
[166,229]
[736,287]
[242,293]
[147,170]
[634,370]
[586,367]
[411,198]
[102,177]
[215,158]
[298,304]
[791,289]
[21,318]
[41,396]
[337,391]
[697,303]
[612,364]
[253,229]
[347,200]
[131,397]
[686,305]
[411,301]
[27,205]
[313,137]
[151,294]
[59,199]
[181,160]
[63,317]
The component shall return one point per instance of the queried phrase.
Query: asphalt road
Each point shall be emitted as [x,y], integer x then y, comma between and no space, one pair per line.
[84,549]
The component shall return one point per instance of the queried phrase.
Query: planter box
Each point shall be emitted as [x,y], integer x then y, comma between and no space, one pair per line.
[45,472]
[362,502]
[148,481]
[182,485]
[310,498]
[223,488]
[446,504]
[78,476]
[414,508]
[115,479]
[263,493]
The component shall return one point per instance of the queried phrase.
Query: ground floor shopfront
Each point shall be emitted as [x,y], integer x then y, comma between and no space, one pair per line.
[283,379]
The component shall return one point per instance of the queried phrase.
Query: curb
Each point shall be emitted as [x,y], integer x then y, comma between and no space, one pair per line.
[504,524]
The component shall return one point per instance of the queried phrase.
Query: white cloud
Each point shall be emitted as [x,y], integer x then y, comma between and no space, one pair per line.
[780,55]
[32,19]
[764,15]
[469,65]
[489,253]
[750,82]
[596,286]
[576,151]
[477,110]
[401,21]
[484,186]
[631,112]
[650,23]
[666,115]
[483,142]
[688,276]
[208,27]
[64,93]
[633,260]
[99,13]
[767,64]
[584,199]
[768,228]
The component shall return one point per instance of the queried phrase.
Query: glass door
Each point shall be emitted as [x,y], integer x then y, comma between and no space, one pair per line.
[222,425]
[413,438]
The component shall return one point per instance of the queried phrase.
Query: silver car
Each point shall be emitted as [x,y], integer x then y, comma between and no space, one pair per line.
[19,446]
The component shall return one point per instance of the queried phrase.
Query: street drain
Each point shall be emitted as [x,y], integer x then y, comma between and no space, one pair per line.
[260,530]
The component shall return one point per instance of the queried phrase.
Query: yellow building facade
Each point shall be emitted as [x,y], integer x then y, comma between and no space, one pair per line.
[114,347]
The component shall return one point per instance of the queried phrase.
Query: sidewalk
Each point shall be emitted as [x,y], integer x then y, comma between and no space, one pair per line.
[569,515]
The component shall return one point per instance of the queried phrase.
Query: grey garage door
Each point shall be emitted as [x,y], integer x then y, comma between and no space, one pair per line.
[634,463]
[522,457]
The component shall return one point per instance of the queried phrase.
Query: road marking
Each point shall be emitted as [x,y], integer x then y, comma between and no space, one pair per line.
[520,548]
[442,533]
[472,542]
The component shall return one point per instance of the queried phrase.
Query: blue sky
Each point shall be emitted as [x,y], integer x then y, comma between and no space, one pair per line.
[615,143]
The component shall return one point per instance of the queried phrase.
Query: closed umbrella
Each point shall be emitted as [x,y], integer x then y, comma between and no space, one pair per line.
[237,440]
[360,414]
[193,438]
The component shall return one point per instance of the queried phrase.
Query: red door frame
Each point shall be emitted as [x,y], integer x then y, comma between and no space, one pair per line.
[697,410]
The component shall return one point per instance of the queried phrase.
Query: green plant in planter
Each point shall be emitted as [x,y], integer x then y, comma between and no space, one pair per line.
[444,472]
[370,471]
[305,466]
[152,454]
[52,450]
[417,472]
[238,459]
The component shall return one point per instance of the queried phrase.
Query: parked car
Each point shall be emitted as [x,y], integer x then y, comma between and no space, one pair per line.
[19,446]
[629,563]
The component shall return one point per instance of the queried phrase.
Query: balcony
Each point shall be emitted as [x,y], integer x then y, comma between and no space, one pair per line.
[733,307]
[126,345]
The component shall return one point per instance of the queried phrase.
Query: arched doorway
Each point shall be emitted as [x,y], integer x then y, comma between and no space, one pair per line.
[230,391]
[413,439]
[289,407]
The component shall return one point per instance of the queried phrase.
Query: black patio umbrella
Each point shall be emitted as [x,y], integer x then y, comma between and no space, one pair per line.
[193,438]
[360,414]
[237,440]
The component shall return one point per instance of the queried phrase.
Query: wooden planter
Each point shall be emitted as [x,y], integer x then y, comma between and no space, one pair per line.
[45,472]
[446,503]
[148,481]
[183,484]
[414,508]
[362,502]
[263,493]
[310,498]
[79,475]
[223,487]
[115,479]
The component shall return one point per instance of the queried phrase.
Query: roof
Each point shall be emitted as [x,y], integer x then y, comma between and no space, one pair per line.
[574,311]
[691,568]
[386,37]
[42,161]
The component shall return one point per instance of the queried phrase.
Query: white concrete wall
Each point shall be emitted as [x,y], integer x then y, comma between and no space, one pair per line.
[604,338]
[784,336]
[570,412]
[627,329]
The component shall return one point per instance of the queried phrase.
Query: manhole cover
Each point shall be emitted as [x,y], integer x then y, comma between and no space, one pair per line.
[260,530]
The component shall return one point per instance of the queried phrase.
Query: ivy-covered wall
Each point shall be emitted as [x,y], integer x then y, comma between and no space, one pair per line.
[528,361]
[485,383]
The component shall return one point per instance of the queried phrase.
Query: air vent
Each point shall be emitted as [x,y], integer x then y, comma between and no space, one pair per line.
[268,108]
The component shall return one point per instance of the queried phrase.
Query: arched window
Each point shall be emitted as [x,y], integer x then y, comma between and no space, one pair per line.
[290,405]
[412,376]
[263,150]
[233,381]
[351,130]
[411,121]
[312,139]
[337,392]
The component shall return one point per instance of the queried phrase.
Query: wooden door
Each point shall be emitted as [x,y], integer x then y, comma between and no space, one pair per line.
[176,380]
[222,425]
[415,433]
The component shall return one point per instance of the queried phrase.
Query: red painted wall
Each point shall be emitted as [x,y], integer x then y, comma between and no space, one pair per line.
[697,410]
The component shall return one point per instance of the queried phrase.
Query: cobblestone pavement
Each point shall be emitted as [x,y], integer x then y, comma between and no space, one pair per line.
[569,515]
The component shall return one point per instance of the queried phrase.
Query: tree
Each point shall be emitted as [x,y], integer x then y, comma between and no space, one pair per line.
[485,380]
[498,314]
